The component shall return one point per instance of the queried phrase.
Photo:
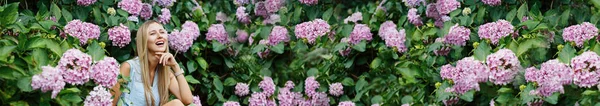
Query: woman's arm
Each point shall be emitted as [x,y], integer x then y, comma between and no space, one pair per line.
[179,86]
[116,90]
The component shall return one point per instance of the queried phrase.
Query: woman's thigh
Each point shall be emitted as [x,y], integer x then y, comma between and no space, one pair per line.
[175,102]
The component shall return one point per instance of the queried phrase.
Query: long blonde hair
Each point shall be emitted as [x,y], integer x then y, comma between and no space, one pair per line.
[142,53]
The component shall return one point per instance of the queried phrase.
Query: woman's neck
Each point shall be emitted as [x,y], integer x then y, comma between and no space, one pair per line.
[152,62]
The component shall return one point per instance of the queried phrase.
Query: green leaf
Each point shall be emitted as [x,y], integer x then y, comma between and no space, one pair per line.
[525,97]
[217,47]
[566,54]
[5,52]
[482,51]
[312,72]
[589,92]
[218,84]
[219,96]
[505,90]
[511,15]
[71,97]
[348,81]
[202,62]
[24,84]
[70,90]
[10,14]
[360,47]
[190,79]
[230,82]
[55,11]
[192,66]
[95,51]
[407,99]
[41,57]
[468,96]
[377,99]
[265,72]
[552,99]
[265,31]
[522,11]
[360,84]
[375,63]
[346,30]
[327,14]
[504,98]
[564,17]
[67,15]
[278,48]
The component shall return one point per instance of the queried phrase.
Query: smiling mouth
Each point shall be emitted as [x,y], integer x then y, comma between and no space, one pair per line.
[160,43]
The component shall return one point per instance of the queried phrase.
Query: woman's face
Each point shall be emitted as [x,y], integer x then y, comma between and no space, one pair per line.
[157,38]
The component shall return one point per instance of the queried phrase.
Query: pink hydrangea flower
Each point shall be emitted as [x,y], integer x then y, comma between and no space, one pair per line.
[196,101]
[240,2]
[267,86]
[312,30]
[458,35]
[495,30]
[414,18]
[165,16]
[492,2]
[131,6]
[260,99]
[242,16]
[82,30]
[287,97]
[85,2]
[231,103]
[503,65]
[550,78]
[242,89]
[586,69]
[346,103]
[310,86]
[273,6]
[272,19]
[413,3]
[393,37]
[336,89]
[98,97]
[217,32]
[146,12]
[119,35]
[164,3]
[319,99]
[309,2]
[580,33]
[242,36]
[289,85]
[359,33]
[261,10]
[75,66]
[447,6]
[182,40]
[105,72]
[278,34]
[355,17]
[466,75]
[49,80]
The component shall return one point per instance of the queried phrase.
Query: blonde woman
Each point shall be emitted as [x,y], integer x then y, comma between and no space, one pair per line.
[154,73]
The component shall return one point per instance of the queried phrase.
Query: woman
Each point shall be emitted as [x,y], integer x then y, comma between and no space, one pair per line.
[153,73]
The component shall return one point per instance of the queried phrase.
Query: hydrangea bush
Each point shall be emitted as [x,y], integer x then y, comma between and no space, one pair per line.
[310,52]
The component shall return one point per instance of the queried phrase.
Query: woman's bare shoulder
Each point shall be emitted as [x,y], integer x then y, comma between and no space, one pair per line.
[125,68]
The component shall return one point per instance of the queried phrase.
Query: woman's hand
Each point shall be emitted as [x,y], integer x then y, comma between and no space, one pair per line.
[166,59]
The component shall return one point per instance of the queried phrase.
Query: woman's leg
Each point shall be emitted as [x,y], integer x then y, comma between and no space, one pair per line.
[175,102]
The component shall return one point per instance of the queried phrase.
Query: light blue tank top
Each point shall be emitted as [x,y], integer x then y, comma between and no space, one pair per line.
[136,97]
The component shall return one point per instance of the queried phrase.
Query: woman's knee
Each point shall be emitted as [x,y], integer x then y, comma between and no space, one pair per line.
[175,102]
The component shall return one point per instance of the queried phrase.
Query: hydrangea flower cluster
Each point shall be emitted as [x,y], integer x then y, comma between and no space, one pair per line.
[289,85]
[393,37]
[119,35]
[458,35]
[273,6]
[495,30]
[272,19]
[414,18]
[164,3]
[165,16]
[261,10]
[466,75]
[550,78]
[278,34]
[492,2]
[181,41]
[312,30]
[131,6]
[242,16]
[133,18]
[336,89]
[49,80]
[240,2]
[261,99]
[82,30]
[288,98]
[580,33]
[447,6]
[231,103]
[217,32]
[319,99]
[146,12]
[86,2]
[346,103]
[197,101]
[413,3]
[355,17]
[98,97]
[503,65]
[75,66]
[242,36]
[267,86]
[359,33]
[309,2]
[105,72]
[310,86]
[586,70]
[440,10]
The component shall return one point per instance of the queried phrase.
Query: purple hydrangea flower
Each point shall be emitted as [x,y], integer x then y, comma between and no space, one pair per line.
[495,30]
[289,85]
[447,6]
[242,36]
[336,89]
[586,69]
[146,12]
[580,33]
[98,97]
[287,97]
[273,6]
[50,79]
[346,103]
[261,10]
[393,37]
[165,16]
[413,3]
[217,32]
[267,86]
[466,75]
[550,78]
[181,41]
[82,30]
[310,86]
[458,35]
[242,16]
[312,30]
[131,6]
[240,2]
[164,3]
[503,65]
[241,89]
[278,34]
[272,19]
[75,66]
[359,33]
[309,2]
[414,18]
[86,2]
[492,2]
[231,103]
[355,17]
[119,35]
[105,72]
[197,102]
